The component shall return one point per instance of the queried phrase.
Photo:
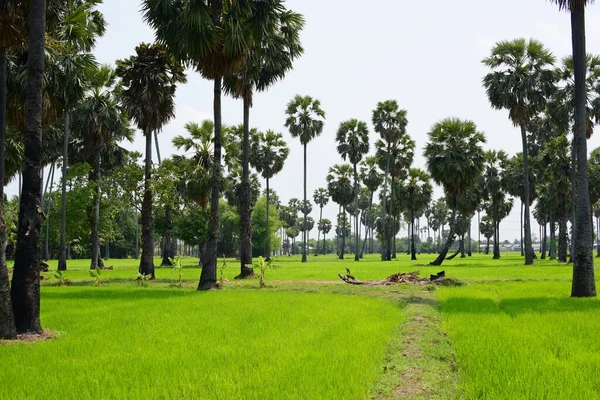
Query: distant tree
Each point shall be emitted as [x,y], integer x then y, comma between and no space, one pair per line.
[486,226]
[340,186]
[353,143]
[324,226]
[321,198]
[416,193]
[305,120]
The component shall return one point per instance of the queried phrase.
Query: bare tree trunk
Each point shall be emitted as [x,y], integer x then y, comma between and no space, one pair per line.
[584,284]
[562,239]
[356,238]
[47,211]
[208,277]
[385,255]
[496,240]
[522,248]
[245,209]
[25,289]
[527,216]
[147,259]
[268,244]
[95,239]
[543,243]
[304,233]
[552,250]
[7,320]
[62,256]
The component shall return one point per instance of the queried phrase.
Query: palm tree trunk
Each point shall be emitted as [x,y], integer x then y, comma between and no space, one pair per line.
[318,230]
[573,193]
[343,232]
[562,239]
[522,247]
[95,239]
[62,257]
[268,241]
[440,259]
[543,244]
[527,216]
[147,259]
[7,320]
[167,243]
[47,211]
[304,234]
[552,250]
[385,256]
[356,234]
[462,246]
[598,237]
[413,255]
[487,246]
[245,209]
[367,224]
[208,277]
[25,289]
[584,284]
[496,240]
[393,226]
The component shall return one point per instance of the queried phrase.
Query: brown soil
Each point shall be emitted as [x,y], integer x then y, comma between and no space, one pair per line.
[46,334]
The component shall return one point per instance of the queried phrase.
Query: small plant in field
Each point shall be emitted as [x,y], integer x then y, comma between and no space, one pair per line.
[262,265]
[62,281]
[143,279]
[178,266]
[222,267]
[96,275]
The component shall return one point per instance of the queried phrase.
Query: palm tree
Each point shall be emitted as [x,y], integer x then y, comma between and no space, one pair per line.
[487,228]
[390,122]
[455,161]
[321,198]
[353,143]
[324,226]
[267,154]
[215,37]
[305,120]
[521,81]
[372,179]
[341,189]
[149,80]
[25,288]
[416,193]
[99,122]
[267,62]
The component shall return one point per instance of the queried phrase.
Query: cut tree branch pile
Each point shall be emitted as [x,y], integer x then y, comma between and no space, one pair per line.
[403,277]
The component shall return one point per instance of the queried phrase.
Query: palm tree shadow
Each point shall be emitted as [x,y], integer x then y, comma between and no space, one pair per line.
[520,306]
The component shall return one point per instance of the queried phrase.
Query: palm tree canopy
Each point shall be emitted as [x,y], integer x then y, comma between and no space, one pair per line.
[270,58]
[268,152]
[571,4]
[340,184]
[324,225]
[321,197]
[454,154]
[353,140]
[389,120]
[149,80]
[416,191]
[305,118]
[401,154]
[369,174]
[521,80]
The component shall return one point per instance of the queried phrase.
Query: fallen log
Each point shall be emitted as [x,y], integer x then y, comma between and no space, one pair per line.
[404,277]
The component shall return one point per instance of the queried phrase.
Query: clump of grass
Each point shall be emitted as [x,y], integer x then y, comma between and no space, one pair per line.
[96,275]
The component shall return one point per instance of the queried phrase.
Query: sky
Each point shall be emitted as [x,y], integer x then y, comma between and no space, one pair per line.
[425,54]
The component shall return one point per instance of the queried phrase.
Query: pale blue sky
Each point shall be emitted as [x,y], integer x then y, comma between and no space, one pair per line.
[425,54]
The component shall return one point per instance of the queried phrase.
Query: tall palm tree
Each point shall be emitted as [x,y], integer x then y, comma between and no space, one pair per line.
[149,80]
[305,120]
[215,37]
[353,143]
[321,198]
[341,188]
[268,153]
[267,62]
[389,122]
[416,193]
[25,288]
[324,226]
[99,122]
[521,81]
[455,161]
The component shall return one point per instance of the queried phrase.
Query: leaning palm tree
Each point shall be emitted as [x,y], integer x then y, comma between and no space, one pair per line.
[215,37]
[390,122]
[305,120]
[149,80]
[341,188]
[353,143]
[521,81]
[268,153]
[321,198]
[454,161]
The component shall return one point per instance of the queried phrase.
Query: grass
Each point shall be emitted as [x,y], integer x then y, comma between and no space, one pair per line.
[511,333]
[125,343]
